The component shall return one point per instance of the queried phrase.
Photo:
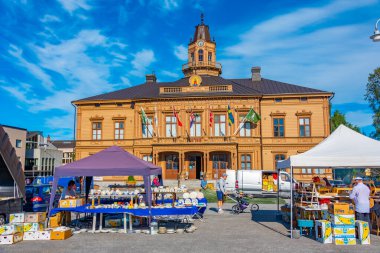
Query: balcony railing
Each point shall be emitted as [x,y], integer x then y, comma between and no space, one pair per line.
[211,64]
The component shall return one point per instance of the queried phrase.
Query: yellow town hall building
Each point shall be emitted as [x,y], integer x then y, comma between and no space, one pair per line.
[185,126]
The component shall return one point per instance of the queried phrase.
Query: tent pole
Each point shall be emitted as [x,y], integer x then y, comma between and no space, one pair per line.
[291,202]
[278,190]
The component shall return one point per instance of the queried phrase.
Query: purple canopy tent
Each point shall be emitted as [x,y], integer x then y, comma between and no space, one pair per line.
[113,161]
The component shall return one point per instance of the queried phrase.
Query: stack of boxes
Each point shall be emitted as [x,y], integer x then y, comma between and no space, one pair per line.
[69,203]
[338,226]
[269,183]
[30,226]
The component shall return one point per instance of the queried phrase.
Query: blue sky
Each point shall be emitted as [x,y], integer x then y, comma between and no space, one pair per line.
[53,52]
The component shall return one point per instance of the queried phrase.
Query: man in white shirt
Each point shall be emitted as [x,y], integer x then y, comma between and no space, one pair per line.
[360,195]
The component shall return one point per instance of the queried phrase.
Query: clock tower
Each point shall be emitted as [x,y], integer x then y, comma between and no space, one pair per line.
[202,53]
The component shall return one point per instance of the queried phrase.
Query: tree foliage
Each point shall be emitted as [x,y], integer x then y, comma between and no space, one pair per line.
[338,119]
[373,97]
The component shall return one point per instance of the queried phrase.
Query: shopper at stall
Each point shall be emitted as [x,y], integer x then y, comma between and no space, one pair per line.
[221,191]
[69,190]
[156,182]
[204,183]
[360,195]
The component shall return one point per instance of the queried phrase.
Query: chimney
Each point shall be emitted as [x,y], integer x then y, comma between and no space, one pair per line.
[150,78]
[256,76]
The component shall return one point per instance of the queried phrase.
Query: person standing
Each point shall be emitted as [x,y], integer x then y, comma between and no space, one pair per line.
[360,195]
[204,183]
[221,191]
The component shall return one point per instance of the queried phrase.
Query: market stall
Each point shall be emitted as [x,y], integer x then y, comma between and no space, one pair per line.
[344,148]
[113,161]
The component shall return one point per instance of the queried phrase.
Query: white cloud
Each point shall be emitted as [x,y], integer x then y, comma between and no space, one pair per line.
[359,118]
[142,60]
[180,52]
[125,81]
[60,122]
[73,5]
[50,18]
[19,93]
[170,4]
[169,73]
[291,48]
[33,69]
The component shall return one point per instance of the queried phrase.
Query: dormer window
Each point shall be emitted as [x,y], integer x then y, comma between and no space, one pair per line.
[200,55]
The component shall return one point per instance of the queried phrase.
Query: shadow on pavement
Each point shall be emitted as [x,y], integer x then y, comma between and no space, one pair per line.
[268,219]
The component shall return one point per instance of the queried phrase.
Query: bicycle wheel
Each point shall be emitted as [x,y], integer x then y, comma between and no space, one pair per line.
[254,207]
[236,209]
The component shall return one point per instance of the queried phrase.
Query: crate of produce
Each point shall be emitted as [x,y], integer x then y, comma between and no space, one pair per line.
[344,231]
[364,234]
[9,229]
[35,217]
[68,203]
[338,219]
[341,209]
[11,239]
[17,218]
[33,226]
[60,233]
[323,231]
[44,235]
[344,241]
[30,236]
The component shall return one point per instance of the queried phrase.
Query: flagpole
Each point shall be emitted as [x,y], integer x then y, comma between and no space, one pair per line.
[241,124]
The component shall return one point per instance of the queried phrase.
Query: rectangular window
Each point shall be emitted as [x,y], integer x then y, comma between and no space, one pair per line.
[209,56]
[219,161]
[278,127]
[278,100]
[171,162]
[18,143]
[245,128]
[148,158]
[192,57]
[278,157]
[304,126]
[119,130]
[196,128]
[307,171]
[303,99]
[171,126]
[96,130]
[220,125]
[245,162]
[319,171]
[147,128]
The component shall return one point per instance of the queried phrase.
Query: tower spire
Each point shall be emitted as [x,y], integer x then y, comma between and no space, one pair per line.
[202,19]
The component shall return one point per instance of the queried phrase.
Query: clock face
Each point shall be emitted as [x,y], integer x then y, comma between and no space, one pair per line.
[201,43]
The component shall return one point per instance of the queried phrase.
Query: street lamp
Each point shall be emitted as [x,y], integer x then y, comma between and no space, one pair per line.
[376,34]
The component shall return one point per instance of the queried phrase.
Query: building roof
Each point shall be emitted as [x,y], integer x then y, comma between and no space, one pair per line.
[64,144]
[13,127]
[241,87]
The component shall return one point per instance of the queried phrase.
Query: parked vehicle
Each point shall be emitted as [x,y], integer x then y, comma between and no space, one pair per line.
[337,183]
[38,197]
[259,183]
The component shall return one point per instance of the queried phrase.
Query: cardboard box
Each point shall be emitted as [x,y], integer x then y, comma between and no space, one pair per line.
[323,231]
[342,219]
[54,221]
[341,208]
[67,203]
[32,227]
[30,236]
[60,234]
[344,231]
[16,218]
[113,223]
[10,229]
[44,235]
[11,239]
[35,217]
[364,234]
[344,241]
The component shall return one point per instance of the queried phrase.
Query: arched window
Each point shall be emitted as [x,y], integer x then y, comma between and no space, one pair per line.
[200,55]
[209,57]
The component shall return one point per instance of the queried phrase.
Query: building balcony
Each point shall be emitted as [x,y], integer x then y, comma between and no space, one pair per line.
[202,64]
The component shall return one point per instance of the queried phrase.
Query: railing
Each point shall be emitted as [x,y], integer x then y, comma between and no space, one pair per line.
[216,65]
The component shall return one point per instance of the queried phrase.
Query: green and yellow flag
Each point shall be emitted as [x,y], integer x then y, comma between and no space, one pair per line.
[252,116]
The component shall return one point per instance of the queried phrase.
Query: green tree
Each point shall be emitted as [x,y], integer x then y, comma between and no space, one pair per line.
[339,118]
[372,95]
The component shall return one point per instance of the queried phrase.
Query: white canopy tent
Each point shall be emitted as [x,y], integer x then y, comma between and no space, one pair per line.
[344,148]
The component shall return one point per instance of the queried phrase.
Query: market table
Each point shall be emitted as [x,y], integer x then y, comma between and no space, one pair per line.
[172,211]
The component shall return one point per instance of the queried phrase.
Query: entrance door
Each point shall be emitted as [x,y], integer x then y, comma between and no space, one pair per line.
[171,166]
[195,166]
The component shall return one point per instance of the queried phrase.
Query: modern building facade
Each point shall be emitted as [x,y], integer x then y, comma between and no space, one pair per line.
[42,157]
[196,125]
[17,137]
[67,147]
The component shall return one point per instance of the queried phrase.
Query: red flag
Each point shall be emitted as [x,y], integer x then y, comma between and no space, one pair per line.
[179,123]
[211,118]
